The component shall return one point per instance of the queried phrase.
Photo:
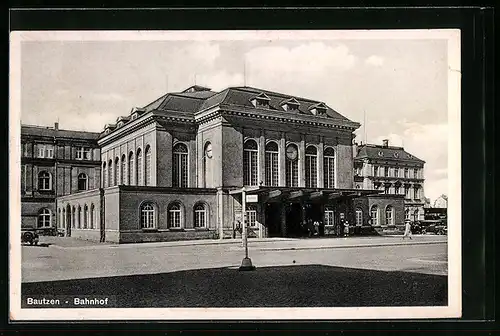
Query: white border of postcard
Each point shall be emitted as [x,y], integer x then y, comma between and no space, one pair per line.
[454,307]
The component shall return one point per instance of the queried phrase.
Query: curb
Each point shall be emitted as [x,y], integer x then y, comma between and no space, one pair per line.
[349,246]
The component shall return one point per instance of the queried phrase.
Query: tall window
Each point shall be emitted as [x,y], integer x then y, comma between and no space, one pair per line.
[407,192]
[83,153]
[406,173]
[359,217]
[139,174]
[104,175]
[175,216]
[130,169]
[116,178]
[415,215]
[407,214]
[292,166]
[396,189]
[85,216]
[374,215]
[148,165]
[147,216]
[416,192]
[251,216]
[200,216]
[44,218]
[385,171]
[92,215]
[396,172]
[329,167]
[387,189]
[44,181]
[375,171]
[46,151]
[311,167]
[272,164]
[83,181]
[73,218]
[110,177]
[250,151]
[329,217]
[389,215]
[123,171]
[79,224]
[180,171]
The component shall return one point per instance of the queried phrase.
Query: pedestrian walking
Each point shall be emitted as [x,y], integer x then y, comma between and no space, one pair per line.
[407,230]
[346,228]
[316,228]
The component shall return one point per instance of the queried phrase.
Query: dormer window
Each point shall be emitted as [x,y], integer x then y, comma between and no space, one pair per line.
[261,101]
[120,124]
[290,105]
[135,115]
[318,109]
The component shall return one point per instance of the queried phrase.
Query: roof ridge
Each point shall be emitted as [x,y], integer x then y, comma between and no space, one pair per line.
[242,88]
[56,130]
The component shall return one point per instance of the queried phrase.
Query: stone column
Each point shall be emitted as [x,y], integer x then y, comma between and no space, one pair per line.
[282,161]
[262,159]
[220,213]
[302,161]
[321,175]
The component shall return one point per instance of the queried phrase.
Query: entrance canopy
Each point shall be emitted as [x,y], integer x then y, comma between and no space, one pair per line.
[275,194]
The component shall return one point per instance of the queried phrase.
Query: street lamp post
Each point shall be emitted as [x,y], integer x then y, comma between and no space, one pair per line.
[246,263]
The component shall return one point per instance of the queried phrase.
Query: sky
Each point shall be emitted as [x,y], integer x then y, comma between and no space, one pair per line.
[398,86]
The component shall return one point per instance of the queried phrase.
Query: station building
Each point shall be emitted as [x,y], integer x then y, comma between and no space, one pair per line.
[175,169]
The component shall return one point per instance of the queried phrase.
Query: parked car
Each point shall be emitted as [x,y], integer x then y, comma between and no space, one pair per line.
[29,236]
[438,229]
[416,228]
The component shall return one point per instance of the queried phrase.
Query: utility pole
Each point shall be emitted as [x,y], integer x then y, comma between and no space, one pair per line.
[246,263]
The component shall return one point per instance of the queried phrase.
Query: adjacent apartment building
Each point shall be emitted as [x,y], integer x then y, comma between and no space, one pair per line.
[176,168]
[54,163]
[393,171]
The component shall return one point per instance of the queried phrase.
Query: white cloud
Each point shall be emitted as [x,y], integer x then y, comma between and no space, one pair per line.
[374,60]
[220,80]
[201,54]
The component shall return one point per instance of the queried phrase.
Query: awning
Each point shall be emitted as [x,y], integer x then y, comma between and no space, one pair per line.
[266,193]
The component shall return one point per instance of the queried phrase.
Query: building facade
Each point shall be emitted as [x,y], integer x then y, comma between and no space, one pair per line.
[393,171]
[55,163]
[176,168]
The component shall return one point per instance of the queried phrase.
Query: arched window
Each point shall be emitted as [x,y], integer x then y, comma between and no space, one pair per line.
[407,214]
[139,175]
[251,215]
[79,223]
[311,167]
[374,215]
[104,175]
[83,182]
[148,165]
[175,216]
[123,171]
[415,215]
[292,166]
[180,169]
[389,215]
[200,216]
[117,172]
[85,216]
[44,218]
[329,167]
[148,216]
[359,217]
[44,181]
[110,178]
[207,165]
[250,151]
[130,169]
[329,217]
[92,214]
[272,164]
[73,220]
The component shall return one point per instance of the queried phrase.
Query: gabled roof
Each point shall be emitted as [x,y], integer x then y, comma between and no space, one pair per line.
[261,96]
[291,101]
[380,152]
[40,131]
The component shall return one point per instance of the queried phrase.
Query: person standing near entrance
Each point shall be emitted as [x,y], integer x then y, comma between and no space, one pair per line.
[407,230]
[346,228]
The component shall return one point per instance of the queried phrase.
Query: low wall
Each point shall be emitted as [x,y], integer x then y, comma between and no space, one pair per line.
[159,236]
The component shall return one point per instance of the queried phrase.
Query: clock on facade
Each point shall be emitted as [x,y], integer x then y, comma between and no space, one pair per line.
[291,152]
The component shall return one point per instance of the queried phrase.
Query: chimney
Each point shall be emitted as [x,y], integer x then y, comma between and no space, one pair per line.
[385,142]
[56,126]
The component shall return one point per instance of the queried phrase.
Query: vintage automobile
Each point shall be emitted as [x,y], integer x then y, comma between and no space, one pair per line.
[29,236]
[416,228]
[436,229]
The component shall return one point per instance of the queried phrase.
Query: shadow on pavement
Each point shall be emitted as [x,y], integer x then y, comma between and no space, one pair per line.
[283,286]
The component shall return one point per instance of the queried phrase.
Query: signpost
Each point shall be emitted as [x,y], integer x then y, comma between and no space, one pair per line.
[246,263]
